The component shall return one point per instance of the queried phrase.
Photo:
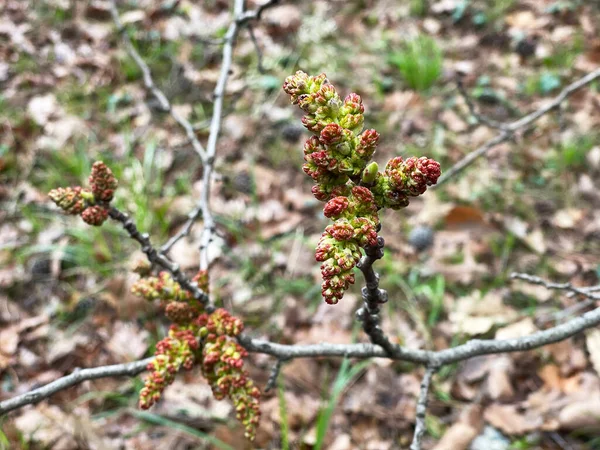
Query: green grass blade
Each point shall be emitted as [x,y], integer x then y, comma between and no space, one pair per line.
[285,439]
[344,377]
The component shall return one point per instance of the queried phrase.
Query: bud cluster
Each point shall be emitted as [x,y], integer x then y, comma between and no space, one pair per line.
[403,179]
[198,337]
[355,226]
[222,366]
[91,203]
[338,159]
[338,151]
[178,350]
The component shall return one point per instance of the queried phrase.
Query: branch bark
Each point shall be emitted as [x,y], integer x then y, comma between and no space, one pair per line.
[373,297]
[78,376]
[285,352]
[509,130]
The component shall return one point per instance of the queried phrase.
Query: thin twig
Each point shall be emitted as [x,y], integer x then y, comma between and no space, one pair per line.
[566,313]
[215,127]
[151,86]
[422,408]
[555,286]
[202,208]
[510,129]
[274,374]
[478,116]
[373,296]
[256,14]
[184,231]
[257,49]
[155,257]
[78,376]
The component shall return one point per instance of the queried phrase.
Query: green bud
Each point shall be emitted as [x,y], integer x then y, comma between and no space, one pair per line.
[370,173]
[87,195]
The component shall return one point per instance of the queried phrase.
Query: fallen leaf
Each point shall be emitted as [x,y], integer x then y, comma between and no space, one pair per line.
[128,342]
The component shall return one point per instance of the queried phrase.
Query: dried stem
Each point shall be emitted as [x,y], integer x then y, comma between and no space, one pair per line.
[509,130]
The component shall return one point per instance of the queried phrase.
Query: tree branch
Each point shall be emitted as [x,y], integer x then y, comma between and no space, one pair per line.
[510,129]
[155,257]
[373,297]
[429,358]
[586,292]
[78,376]
[478,117]
[151,86]
[202,208]
[274,374]
[422,408]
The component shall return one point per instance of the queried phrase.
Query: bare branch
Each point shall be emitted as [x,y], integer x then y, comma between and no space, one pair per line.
[255,14]
[185,230]
[479,117]
[202,208]
[429,358]
[78,376]
[155,257]
[274,374]
[468,350]
[515,126]
[151,86]
[422,408]
[586,292]
[259,55]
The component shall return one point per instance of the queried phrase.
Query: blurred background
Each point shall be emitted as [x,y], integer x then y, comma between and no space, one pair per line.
[70,95]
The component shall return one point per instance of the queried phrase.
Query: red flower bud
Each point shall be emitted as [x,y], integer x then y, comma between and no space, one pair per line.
[94,215]
[335,207]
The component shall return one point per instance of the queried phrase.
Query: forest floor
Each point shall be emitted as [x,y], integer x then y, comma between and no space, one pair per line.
[70,95]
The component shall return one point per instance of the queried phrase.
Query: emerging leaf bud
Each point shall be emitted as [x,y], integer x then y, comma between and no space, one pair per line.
[370,173]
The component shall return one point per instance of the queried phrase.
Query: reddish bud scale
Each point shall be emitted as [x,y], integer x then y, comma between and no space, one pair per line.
[335,207]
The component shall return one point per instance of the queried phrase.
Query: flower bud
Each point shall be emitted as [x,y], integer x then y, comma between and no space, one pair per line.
[95,215]
[102,182]
[69,199]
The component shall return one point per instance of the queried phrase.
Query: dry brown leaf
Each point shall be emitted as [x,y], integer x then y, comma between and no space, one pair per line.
[476,314]
[511,420]
[128,342]
[461,433]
